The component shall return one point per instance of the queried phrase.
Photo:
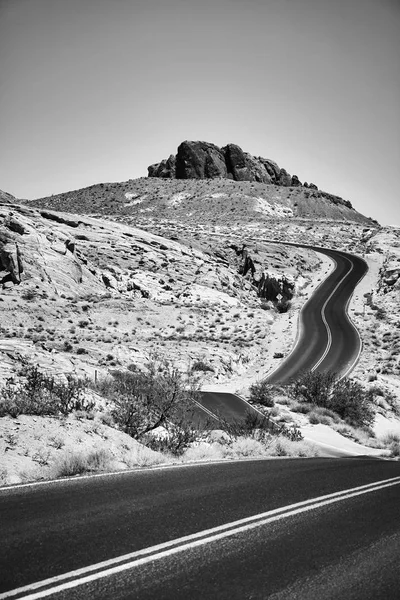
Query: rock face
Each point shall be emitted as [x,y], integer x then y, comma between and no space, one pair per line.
[6,197]
[202,160]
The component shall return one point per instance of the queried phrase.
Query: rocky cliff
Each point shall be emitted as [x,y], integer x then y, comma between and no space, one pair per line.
[202,160]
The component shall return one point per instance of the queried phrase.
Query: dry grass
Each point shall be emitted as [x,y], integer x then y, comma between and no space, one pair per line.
[79,463]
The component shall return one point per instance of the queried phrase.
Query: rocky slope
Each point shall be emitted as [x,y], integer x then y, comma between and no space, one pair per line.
[6,197]
[202,202]
[83,294]
[202,160]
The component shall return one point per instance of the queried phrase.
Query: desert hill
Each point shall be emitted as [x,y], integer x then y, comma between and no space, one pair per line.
[204,184]
[82,294]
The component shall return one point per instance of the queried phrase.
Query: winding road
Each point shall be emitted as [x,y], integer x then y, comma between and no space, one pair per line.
[327,339]
[256,529]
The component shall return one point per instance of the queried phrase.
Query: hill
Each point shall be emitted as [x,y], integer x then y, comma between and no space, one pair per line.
[204,184]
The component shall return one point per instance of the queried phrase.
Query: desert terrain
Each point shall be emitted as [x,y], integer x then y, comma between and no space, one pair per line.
[192,270]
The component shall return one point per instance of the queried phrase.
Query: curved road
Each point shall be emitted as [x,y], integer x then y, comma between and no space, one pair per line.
[327,339]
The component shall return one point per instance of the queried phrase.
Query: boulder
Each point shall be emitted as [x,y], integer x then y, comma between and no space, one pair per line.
[200,160]
[236,163]
[166,169]
[295,181]
[284,178]
[10,262]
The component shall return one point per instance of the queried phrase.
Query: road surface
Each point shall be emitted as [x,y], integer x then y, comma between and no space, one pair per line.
[292,529]
[327,339]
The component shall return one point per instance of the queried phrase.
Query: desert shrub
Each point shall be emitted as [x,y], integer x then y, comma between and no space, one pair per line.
[313,387]
[77,463]
[394,449]
[143,457]
[257,426]
[36,393]
[204,452]
[175,441]
[201,365]
[281,446]
[352,402]
[261,392]
[345,397]
[246,447]
[29,294]
[160,396]
[301,407]
[390,437]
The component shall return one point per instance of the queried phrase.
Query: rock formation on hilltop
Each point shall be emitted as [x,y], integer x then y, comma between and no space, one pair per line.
[202,160]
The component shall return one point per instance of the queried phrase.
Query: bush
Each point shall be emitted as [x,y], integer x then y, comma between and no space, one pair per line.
[313,387]
[75,463]
[245,446]
[204,452]
[160,396]
[39,394]
[200,365]
[261,392]
[352,403]
[345,397]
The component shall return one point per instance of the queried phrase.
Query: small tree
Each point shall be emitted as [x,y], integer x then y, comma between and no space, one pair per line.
[353,403]
[261,393]
[313,387]
[159,396]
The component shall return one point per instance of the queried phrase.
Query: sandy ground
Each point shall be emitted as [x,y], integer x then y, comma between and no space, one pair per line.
[326,438]
[35,447]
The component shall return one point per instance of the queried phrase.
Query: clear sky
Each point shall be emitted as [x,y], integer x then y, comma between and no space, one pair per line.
[96,90]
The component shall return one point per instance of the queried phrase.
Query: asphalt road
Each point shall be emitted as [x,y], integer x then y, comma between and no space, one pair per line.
[343,546]
[327,340]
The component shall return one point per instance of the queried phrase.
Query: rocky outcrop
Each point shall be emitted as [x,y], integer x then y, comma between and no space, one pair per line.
[269,287]
[202,160]
[7,198]
[166,169]
[11,266]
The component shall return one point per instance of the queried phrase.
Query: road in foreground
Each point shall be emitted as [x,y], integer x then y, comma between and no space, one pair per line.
[346,546]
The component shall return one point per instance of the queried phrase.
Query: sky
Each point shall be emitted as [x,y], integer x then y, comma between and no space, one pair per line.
[96,90]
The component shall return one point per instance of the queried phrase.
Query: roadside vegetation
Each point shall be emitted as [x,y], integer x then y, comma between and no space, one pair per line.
[153,407]
[345,405]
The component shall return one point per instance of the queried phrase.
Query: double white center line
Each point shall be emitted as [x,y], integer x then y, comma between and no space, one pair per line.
[73,579]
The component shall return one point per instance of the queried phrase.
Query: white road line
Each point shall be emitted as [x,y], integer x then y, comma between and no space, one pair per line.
[206,410]
[135,559]
[328,329]
[300,324]
[351,367]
